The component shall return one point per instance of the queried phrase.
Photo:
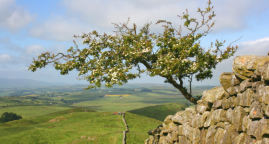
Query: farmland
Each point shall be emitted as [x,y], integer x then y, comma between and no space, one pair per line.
[77,116]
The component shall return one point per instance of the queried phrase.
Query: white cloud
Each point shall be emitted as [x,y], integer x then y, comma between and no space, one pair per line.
[234,15]
[12,17]
[33,50]
[88,15]
[5,58]
[266,39]
[47,74]
[58,28]
[8,45]
[119,11]
[24,56]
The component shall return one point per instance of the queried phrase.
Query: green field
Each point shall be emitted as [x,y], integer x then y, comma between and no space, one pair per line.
[64,127]
[32,111]
[85,116]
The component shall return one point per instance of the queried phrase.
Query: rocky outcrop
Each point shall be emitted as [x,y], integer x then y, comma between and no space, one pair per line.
[237,112]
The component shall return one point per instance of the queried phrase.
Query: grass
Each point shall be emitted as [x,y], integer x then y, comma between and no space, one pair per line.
[138,127]
[73,124]
[135,100]
[81,125]
[103,101]
[159,112]
[140,121]
[68,126]
[32,111]
[117,95]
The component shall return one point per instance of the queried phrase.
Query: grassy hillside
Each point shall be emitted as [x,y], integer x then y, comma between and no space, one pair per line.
[32,111]
[81,125]
[140,121]
[50,114]
[159,112]
[69,126]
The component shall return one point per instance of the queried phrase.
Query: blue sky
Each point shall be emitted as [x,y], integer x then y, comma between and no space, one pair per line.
[30,27]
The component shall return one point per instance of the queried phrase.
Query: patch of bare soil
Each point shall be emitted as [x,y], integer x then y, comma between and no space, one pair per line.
[85,137]
[57,119]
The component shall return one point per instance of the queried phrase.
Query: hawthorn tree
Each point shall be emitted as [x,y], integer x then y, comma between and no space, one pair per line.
[128,49]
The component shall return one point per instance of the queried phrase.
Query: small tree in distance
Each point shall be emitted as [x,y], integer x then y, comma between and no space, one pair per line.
[170,61]
[6,117]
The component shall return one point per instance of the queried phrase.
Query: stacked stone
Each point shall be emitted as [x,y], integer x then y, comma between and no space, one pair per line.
[235,113]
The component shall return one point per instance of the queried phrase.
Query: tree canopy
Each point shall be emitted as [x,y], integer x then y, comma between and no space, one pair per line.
[6,117]
[129,49]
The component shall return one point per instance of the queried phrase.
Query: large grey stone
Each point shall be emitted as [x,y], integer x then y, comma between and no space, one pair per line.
[234,90]
[219,135]
[230,134]
[241,139]
[184,116]
[246,98]
[228,79]
[214,94]
[243,66]
[245,84]
[210,135]
[238,115]
[200,108]
[254,129]
[256,85]
[262,94]
[265,72]
[256,110]
[197,121]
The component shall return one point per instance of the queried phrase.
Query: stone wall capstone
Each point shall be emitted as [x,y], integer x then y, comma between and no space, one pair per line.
[237,112]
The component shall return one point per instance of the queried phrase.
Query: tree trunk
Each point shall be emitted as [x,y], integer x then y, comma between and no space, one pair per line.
[182,89]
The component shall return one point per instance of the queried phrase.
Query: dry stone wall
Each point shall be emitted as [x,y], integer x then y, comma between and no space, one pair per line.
[237,112]
[126,129]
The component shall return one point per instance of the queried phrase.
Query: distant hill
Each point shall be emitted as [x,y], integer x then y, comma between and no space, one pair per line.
[23,83]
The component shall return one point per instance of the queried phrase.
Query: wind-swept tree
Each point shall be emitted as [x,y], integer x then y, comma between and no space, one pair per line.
[128,49]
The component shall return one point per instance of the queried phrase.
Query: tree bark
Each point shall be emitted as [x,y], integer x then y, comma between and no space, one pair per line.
[183,90]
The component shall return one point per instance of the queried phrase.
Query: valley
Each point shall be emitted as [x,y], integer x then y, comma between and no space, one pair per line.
[67,114]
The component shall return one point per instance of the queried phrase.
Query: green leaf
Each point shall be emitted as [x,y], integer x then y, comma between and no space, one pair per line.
[187,23]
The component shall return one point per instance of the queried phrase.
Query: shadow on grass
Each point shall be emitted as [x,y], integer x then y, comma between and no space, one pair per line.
[159,112]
